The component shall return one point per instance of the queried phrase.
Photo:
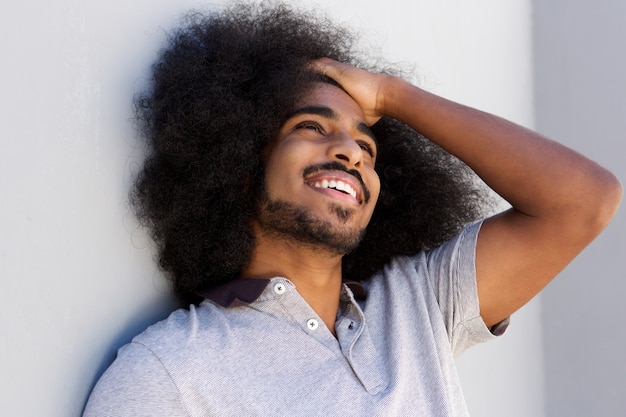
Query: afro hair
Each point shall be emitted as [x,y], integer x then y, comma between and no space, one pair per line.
[219,92]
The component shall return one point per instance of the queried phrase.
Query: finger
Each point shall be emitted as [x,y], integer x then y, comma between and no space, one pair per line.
[327,66]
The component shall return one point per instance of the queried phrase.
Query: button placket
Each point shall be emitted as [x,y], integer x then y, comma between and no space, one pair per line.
[285,294]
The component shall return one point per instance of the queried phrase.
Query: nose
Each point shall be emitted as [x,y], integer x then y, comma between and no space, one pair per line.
[344,148]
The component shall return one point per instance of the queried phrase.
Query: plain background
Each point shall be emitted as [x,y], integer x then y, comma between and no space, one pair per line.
[580,95]
[77,276]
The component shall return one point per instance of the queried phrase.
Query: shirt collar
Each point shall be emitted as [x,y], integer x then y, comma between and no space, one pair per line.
[244,291]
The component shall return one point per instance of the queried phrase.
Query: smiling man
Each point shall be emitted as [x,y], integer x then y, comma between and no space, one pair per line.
[323,149]
[320,192]
[338,258]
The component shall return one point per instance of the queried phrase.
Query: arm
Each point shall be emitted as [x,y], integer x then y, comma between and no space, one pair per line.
[561,200]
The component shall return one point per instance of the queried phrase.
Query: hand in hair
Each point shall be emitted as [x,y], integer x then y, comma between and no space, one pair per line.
[365,87]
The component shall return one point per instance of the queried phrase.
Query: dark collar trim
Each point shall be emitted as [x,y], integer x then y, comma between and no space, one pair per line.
[243,291]
[359,291]
[236,293]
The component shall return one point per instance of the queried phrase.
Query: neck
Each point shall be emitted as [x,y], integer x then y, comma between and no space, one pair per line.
[316,273]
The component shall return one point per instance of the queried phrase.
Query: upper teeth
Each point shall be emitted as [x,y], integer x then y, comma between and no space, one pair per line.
[337,185]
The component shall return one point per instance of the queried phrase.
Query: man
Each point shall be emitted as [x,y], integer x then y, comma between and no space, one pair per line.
[277,172]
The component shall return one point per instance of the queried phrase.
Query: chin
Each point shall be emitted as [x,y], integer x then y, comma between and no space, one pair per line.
[297,223]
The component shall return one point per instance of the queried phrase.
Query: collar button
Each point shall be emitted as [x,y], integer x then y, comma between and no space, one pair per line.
[280,288]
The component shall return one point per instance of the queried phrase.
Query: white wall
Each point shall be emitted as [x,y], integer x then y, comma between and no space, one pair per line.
[581,99]
[77,280]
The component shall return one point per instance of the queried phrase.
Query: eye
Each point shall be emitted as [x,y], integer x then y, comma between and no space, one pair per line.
[309,125]
[367,148]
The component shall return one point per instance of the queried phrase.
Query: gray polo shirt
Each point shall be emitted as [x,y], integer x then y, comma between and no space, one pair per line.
[256,348]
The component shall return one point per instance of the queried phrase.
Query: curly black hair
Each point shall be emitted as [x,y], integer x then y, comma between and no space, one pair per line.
[219,93]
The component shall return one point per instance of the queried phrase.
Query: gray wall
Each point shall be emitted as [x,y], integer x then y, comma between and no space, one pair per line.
[580,91]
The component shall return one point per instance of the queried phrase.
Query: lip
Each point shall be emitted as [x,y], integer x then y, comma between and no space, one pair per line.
[333,175]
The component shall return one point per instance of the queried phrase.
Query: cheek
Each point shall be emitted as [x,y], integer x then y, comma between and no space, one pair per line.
[290,158]
[374,187]
[273,180]
[281,171]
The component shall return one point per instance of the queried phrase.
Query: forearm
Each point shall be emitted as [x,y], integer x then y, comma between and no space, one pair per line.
[539,177]
[561,200]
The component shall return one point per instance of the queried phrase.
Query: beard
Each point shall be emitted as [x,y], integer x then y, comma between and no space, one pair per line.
[296,223]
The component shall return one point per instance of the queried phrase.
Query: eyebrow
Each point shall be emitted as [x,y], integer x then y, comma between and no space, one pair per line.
[325,112]
[328,113]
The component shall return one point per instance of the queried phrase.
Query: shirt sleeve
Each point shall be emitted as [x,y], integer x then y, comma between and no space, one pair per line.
[452,270]
[136,384]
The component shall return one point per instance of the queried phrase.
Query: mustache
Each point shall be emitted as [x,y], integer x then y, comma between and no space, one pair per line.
[336,166]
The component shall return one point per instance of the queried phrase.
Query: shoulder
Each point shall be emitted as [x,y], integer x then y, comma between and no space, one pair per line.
[147,371]
[161,342]
[456,256]
[183,327]
[460,247]
[136,383]
[437,285]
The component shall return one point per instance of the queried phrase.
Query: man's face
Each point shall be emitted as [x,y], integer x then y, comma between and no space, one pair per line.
[320,184]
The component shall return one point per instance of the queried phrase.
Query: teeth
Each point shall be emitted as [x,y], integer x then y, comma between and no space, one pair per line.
[337,185]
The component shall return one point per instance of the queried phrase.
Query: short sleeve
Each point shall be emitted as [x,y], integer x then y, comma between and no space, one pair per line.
[452,271]
[136,385]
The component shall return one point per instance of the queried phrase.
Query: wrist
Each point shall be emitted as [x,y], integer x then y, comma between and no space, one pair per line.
[389,101]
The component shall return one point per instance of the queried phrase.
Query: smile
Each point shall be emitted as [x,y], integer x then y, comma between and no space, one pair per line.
[334,176]
[336,185]
[342,185]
